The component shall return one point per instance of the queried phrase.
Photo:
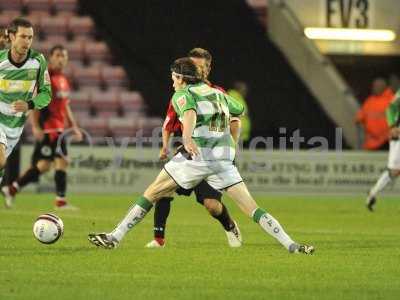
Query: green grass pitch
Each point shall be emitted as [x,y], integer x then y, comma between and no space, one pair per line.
[357,256]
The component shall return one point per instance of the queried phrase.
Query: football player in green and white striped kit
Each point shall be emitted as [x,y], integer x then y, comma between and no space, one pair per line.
[209,153]
[23,72]
[393,166]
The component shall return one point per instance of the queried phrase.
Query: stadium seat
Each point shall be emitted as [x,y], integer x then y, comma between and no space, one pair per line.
[75,50]
[123,127]
[38,5]
[57,39]
[82,26]
[11,5]
[36,17]
[114,76]
[7,16]
[43,46]
[81,116]
[105,101]
[54,25]
[70,6]
[80,101]
[131,102]
[87,76]
[96,127]
[97,51]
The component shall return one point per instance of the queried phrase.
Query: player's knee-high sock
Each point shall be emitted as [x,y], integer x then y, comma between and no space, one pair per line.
[272,226]
[225,219]
[30,176]
[135,214]
[60,178]
[380,184]
[161,213]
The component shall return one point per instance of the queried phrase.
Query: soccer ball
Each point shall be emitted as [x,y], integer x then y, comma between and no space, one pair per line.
[48,228]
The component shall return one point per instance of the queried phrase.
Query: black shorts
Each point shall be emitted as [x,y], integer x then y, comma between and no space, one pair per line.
[202,191]
[49,149]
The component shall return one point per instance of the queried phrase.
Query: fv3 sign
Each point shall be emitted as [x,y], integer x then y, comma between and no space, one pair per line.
[347,13]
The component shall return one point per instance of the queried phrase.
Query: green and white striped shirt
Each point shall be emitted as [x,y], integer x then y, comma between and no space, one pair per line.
[214,109]
[21,82]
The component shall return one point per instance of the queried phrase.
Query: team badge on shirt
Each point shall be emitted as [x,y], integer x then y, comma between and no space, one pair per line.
[181,101]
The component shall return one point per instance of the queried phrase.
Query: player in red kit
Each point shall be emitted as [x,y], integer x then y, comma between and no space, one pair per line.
[205,194]
[48,126]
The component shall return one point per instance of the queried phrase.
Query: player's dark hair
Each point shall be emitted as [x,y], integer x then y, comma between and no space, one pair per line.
[186,67]
[57,47]
[18,22]
[200,53]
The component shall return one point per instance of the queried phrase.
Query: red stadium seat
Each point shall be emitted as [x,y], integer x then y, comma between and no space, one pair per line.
[54,25]
[105,103]
[75,50]
[87,76]
[131,102]
[114,76]
[57,39]
[11,5]
[36,18]
[7,16]
[80,101]
[38,5]
[96,127]
[42,46]
[122,127]
[81,26]
[70,6]
[97,51]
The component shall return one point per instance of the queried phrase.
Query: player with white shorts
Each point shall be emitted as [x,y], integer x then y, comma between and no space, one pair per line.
[24,86]
[210,149]
[393,171]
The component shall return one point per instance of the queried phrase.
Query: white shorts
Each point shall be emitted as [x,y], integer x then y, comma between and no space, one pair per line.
[394,155]
[8,142]
[189,173]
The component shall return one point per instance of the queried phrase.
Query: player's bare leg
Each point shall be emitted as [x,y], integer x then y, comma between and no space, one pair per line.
[240,194]
[161,187]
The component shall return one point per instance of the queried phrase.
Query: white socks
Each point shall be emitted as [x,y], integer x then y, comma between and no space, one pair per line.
[133,217]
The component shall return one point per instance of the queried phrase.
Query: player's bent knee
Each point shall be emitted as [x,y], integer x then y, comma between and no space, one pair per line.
[159,189]
[43,166]
[213,206]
